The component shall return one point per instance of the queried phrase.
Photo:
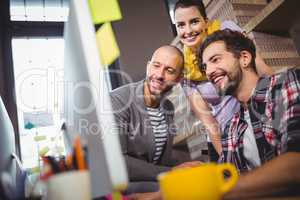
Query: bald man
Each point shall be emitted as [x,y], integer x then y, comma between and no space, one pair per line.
[144,117]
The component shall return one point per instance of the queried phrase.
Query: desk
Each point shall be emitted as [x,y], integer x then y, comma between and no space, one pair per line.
[277,198]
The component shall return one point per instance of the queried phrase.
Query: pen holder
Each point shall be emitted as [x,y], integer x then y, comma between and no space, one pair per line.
[73,185]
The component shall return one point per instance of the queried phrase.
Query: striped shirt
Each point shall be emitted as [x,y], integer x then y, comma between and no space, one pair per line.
[160,130]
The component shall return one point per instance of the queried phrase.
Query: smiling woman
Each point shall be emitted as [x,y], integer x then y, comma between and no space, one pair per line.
[192,27]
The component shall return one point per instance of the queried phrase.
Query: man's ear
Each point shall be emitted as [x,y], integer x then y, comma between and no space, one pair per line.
[245,59]
[147,67]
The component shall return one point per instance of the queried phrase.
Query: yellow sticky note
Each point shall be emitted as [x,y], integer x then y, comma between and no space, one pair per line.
[107,44]
[105,10]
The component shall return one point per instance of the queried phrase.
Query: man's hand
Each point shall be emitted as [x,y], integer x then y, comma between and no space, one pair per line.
[276,177]
[188,164]
[145,196]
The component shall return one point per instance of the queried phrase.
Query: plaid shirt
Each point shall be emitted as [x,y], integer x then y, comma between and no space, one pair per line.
[274,110]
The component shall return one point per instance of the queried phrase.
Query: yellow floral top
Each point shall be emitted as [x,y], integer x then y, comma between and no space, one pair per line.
[191,63]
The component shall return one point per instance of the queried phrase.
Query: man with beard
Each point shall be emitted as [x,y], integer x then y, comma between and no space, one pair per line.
[144,118]
[265,134]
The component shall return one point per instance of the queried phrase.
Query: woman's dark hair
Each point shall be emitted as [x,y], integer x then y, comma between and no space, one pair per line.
[235,42]
[188,3]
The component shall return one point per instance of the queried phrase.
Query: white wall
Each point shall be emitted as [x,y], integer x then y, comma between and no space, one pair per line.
[145,27]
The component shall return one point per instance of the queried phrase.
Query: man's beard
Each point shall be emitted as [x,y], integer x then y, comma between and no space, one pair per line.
[230,89]
[166,91]
[232,86]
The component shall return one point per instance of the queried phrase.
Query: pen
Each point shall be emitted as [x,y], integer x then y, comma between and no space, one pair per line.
[69,162]
[79,154]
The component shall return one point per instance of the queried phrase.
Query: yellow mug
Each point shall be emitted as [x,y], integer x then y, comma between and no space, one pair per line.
[205,182]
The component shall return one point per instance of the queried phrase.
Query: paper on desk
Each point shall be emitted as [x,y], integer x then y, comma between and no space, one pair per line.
[105,10]
[107,45]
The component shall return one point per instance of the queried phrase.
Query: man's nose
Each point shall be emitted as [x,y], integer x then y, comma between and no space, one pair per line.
[160,73]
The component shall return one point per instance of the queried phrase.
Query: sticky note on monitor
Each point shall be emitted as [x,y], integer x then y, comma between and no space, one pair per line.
[107,44]
[105,10]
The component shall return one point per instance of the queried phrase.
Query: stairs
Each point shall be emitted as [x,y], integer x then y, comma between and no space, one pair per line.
[239,11]
[279,52]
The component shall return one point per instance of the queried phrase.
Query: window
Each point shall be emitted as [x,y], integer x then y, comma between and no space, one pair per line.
[39,10]
[38,67]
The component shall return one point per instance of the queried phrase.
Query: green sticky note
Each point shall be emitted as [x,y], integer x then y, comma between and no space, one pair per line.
[39,138]
[105,10]
[107,44]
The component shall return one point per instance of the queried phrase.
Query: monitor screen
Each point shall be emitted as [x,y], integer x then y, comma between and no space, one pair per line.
[87,106]
[7,148]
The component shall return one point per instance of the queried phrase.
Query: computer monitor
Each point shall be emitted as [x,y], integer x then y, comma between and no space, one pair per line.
[7,149]
[87,106]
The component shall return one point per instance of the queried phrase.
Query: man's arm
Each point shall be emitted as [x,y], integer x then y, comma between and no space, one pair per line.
[138,170]
[278,176]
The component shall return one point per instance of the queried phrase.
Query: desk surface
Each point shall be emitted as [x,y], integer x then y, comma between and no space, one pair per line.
[278,198]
